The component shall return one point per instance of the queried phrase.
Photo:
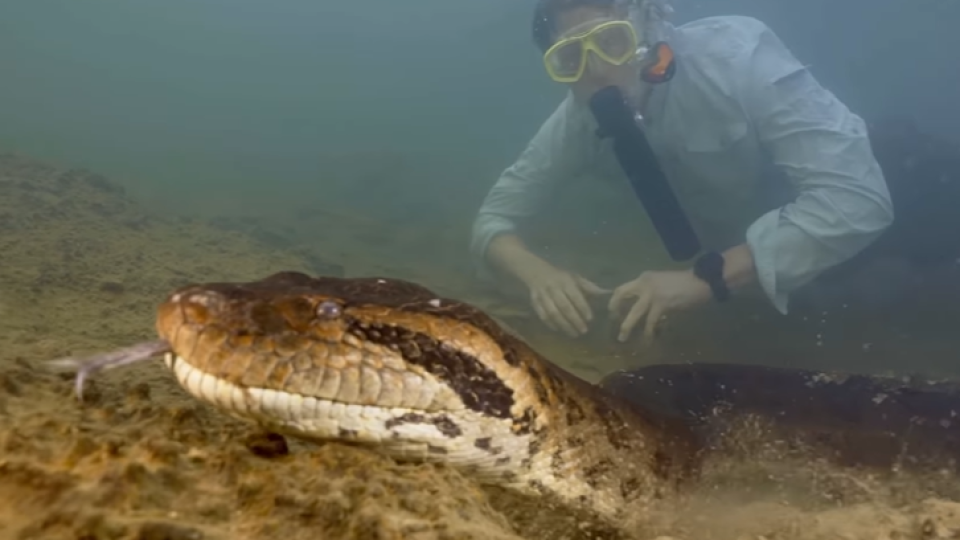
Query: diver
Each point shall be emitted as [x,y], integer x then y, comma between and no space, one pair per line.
[727,110]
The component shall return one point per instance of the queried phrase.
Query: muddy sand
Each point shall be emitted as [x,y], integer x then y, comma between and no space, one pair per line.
[82,268]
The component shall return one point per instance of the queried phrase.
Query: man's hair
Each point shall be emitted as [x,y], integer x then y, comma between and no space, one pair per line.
[546,13]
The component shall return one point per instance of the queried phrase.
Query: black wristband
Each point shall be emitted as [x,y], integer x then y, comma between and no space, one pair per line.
[709,268]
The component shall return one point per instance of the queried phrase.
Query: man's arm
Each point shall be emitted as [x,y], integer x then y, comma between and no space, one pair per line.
[843,203]
[557,152]
[508,254]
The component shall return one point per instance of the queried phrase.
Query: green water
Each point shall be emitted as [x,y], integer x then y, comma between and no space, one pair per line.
[407,112]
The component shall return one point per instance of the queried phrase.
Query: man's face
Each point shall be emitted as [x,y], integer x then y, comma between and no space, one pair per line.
[598,74]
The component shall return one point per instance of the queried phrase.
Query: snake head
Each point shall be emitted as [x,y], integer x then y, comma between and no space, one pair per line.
[334,358]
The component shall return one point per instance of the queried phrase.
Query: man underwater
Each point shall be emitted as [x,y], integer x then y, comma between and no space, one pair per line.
[722,103]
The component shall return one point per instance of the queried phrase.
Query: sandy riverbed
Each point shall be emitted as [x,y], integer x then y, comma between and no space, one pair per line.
[82,269]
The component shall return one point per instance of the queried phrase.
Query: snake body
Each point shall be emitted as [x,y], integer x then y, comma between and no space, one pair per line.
[386,363]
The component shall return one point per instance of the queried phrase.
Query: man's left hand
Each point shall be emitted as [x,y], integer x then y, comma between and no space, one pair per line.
[654,294]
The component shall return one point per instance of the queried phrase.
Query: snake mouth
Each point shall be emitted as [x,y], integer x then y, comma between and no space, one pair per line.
[403,433]
[308,416]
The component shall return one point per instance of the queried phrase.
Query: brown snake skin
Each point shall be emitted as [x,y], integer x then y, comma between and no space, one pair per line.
[388,364]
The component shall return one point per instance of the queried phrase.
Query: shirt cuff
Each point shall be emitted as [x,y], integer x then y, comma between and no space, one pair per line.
[763,243]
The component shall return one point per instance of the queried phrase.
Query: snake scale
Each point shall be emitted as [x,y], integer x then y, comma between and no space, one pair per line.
[388,364]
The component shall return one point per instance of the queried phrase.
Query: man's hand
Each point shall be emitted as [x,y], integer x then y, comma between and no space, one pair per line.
[558,297]
[560,300]
[653,295]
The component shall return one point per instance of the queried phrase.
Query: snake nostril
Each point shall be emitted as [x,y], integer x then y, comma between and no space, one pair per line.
[328,310]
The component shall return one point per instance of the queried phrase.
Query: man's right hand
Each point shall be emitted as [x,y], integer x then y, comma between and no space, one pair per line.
[560,300]
[558,297]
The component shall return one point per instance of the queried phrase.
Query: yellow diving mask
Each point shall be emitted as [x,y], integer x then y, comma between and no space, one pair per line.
[614,42]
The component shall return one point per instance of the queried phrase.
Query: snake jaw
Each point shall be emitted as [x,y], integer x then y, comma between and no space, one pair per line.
[480,445]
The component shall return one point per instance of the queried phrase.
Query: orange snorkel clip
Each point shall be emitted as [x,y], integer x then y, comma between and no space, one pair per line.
[661,66]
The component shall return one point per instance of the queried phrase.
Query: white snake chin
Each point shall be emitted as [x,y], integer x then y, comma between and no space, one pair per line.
[401,433]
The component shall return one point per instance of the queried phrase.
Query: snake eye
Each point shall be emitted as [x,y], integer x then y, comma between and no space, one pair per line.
[328,310]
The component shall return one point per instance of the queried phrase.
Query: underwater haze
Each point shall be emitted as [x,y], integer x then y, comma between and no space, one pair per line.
[176,97]
[147,144]
[182,98]
[402,112]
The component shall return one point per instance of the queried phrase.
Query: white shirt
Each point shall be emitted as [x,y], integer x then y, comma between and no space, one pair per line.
[739,107]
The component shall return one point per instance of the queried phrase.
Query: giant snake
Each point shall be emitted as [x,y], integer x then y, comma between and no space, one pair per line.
[388,364]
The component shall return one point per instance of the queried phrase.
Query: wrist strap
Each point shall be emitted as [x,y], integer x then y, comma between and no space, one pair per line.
[709,268]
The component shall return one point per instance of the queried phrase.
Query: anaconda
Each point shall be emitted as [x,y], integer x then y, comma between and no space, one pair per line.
[388,364]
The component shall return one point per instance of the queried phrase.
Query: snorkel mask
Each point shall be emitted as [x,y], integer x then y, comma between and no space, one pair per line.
[641,38]
[617,43]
